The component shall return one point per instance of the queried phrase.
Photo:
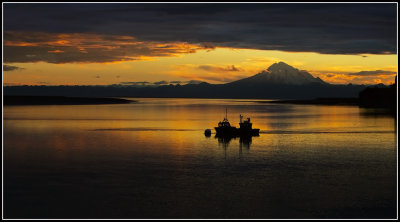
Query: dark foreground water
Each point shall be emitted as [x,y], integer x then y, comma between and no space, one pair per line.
[151,160]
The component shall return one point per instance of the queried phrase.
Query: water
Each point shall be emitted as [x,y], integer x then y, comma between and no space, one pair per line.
[151,160]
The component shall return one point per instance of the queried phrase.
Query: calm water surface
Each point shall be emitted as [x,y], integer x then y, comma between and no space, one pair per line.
[151,160]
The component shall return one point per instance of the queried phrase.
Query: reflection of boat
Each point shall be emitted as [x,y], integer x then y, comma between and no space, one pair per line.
[245,141]
[226,139]
[246,128]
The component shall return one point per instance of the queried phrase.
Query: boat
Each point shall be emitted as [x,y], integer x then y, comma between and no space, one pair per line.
[246,128]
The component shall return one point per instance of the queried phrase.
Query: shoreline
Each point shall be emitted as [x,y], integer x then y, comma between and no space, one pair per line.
[60,100]
[319,101]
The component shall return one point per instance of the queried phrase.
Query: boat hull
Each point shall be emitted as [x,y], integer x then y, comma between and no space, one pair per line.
[226,130]
[233,131]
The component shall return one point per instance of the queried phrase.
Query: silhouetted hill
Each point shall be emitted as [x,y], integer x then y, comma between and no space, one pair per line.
[379,97]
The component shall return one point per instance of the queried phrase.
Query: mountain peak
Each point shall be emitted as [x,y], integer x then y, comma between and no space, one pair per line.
[280,66]
[282,73]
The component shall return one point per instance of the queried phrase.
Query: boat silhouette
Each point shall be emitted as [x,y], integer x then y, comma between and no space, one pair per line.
[224,128]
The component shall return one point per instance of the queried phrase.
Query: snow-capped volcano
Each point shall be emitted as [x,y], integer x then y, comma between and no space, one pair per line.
[281,73]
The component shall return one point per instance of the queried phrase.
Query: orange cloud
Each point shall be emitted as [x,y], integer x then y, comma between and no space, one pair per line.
[55,51]
[22,47]
[209,73]
[214,68]
[362,77]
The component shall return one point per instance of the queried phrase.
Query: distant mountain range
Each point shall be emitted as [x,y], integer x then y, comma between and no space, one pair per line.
[279,81]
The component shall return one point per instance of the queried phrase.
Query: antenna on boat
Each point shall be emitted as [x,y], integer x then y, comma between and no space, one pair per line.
[226,113]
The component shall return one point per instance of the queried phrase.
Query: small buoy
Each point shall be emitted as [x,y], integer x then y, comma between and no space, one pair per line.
[207,132]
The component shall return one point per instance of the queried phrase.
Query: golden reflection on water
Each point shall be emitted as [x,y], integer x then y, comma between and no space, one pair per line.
[176,123]
[155,150]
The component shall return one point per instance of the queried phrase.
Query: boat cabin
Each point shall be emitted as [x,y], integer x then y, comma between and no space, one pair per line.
[224,123]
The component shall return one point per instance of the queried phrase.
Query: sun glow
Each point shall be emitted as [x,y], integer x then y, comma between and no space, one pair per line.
[91,59]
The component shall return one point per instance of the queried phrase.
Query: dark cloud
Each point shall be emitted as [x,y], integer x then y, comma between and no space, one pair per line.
[135,83]
[194,82]
[372,73]
[160,82]
[344,28]
[231,68]
[11,68]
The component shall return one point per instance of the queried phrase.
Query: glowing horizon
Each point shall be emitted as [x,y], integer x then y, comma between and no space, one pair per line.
[104,44]
[217,66]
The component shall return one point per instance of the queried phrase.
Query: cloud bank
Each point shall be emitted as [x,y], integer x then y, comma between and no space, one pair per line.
[11,68]
[372,73]
[231,68]
[323,28]
[85,48]
[160,83]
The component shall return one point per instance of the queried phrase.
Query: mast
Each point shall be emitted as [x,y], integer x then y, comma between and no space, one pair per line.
[226,113]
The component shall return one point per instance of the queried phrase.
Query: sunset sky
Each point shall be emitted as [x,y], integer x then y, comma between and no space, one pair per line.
[102,44]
